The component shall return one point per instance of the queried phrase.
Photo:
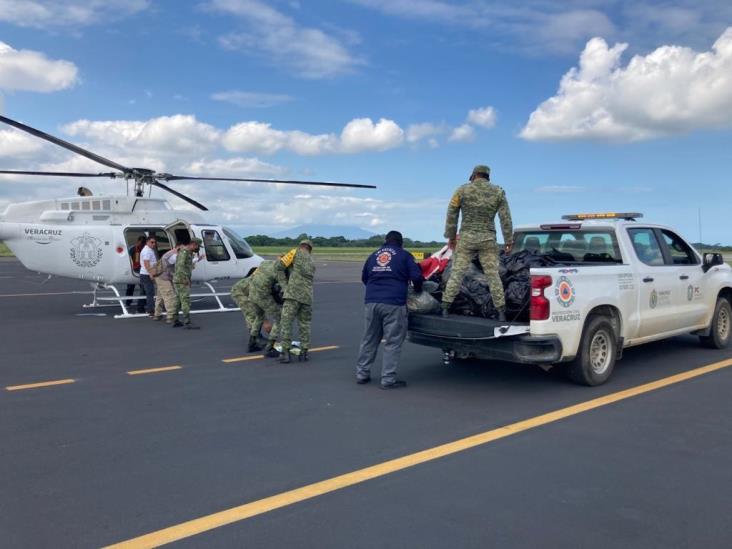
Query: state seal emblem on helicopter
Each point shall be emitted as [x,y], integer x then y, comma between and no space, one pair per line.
[87,251]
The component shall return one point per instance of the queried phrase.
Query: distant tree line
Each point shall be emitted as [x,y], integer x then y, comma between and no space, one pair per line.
[716,247]
[336,241]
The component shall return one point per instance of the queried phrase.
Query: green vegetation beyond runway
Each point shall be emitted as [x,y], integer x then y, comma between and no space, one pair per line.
[335,254]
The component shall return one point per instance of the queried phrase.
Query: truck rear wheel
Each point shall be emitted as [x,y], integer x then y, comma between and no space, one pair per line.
[721,328]
[597,353]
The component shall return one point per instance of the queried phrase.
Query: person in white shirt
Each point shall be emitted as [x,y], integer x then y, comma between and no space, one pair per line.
[148,267]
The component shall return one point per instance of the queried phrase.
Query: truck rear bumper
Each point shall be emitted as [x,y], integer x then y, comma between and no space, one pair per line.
[525,349]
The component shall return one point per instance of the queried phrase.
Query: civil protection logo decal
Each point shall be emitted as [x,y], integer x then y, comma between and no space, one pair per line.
[654,299]
[564,291]
[690,292]
[383,259]
[87,251]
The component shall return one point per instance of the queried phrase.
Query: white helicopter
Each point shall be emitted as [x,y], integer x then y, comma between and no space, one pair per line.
[88,237]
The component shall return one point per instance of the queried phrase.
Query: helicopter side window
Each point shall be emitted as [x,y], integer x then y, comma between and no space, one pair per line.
[241,247]
[214,246]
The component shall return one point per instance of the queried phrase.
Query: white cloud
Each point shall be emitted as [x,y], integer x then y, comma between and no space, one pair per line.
[251,99]
[32,71]
[424,130]
[233,167]
[668,91]
[361,134]
[308,51]
[463,133]
[177,134]
[72,13]
[13,144]
[539,27]
[484,117]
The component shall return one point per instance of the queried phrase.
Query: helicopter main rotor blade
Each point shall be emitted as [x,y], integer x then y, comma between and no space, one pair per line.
[169,177]
[61,174]
[65,144]
[179,195]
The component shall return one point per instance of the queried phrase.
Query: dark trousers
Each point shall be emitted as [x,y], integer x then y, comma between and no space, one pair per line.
[149,286]
[390,323]
[138,302]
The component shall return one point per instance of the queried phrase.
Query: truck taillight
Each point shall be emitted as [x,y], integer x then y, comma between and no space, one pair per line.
[539,309]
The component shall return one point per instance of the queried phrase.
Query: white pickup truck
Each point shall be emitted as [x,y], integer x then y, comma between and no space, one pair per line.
[617,283]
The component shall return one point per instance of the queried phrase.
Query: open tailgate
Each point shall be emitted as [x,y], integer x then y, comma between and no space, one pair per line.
[461,327]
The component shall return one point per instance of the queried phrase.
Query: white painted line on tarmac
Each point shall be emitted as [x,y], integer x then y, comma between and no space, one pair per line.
[46,293]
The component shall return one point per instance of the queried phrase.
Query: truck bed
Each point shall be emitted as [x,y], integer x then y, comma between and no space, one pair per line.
[483,338]
[463,327]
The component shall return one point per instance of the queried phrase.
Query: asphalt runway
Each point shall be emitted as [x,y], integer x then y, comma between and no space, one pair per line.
[109,456]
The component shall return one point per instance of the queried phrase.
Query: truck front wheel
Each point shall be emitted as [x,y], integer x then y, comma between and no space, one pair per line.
[721,328]
[597,353]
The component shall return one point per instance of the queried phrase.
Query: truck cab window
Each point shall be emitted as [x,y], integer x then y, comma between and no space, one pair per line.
[681,253]
[646,246]
[214,246]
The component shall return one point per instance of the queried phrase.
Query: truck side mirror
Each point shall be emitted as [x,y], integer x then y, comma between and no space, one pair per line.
[712,260]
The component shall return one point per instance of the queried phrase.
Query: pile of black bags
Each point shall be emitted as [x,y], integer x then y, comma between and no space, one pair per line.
[475,298]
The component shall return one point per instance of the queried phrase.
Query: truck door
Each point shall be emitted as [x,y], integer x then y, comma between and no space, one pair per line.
[658,282]
[688,295]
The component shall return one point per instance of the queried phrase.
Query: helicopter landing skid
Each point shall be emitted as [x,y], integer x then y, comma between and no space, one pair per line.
[120,301]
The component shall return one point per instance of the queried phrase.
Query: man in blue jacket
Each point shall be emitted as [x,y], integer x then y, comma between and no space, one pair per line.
[386,274]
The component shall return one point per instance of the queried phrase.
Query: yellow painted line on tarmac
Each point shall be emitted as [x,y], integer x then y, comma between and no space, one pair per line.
[242,358]
[38,385]
[283,499]
[153,370]
[258,357]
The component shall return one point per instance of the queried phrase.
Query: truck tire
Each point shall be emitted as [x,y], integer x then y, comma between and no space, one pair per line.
[596,354]
[721,328]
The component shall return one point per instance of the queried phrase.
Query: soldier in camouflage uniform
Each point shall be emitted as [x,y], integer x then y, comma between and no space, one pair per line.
[240,294]
[182,282]
[165,290]
[261,289]
[298,302]
[479,201]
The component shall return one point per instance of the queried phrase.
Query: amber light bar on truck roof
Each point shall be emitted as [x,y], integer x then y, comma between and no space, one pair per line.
[628,216]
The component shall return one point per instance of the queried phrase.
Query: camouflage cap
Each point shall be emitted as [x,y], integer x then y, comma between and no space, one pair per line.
[196,241]
[481,168]
[307,242]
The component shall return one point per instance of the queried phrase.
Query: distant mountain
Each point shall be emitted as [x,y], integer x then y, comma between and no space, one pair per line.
[327,231]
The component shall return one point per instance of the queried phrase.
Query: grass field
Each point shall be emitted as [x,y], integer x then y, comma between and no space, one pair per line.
[332,254]
[4,252]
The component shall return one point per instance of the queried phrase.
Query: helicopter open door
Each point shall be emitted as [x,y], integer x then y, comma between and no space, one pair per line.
[179,232]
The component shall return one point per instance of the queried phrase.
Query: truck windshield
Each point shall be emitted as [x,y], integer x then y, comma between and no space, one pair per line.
[241,247]
[571,245]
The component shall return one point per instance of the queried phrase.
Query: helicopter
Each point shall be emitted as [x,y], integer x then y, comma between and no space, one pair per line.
[88,237]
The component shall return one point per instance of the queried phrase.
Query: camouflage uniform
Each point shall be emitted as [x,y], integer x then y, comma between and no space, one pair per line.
[298,300]
[479,201]
[165,290]
[240,294]
[182,282]
[260,296]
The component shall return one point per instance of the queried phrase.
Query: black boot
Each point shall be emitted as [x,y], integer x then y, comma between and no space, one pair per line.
[285,357]
[253,344]
[501,315]
[270,351]
[303,356]
[446,309]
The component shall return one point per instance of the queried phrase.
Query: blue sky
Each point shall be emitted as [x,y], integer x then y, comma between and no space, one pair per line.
[586,105]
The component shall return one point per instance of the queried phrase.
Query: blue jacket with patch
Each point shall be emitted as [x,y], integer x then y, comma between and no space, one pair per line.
[387,273]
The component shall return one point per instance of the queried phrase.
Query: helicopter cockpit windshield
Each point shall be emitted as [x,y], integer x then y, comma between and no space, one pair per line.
[241,247]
